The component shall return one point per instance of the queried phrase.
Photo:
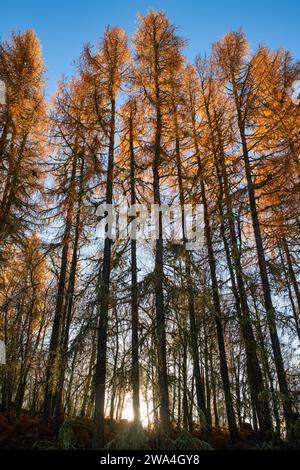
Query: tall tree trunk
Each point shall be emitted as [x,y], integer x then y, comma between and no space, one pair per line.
[265,364]
[270,310]
[68,307]
[52,371]
[294,308]
[291,271]
[134,288]
[206,368]
[257,388]
[86,394]
[189,284]
[216,300]
[115,366]
[103,302]
[158,278]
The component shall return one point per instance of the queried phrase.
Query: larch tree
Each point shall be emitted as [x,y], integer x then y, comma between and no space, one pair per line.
[213,105]
[23,124]
[236,70]
[157,53]
[106,69]
[74,147]
[129,171]
[192,110]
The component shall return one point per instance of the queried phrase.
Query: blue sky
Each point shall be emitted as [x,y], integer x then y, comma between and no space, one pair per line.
[63,26]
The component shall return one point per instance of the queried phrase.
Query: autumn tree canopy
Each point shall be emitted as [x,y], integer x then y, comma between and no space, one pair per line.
[187,342]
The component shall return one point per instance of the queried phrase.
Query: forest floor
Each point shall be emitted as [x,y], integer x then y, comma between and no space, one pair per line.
[28,432]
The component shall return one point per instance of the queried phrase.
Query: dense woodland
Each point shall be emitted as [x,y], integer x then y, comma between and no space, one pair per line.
[106,336]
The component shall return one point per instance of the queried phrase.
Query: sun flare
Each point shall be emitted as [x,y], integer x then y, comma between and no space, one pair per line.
[127,413]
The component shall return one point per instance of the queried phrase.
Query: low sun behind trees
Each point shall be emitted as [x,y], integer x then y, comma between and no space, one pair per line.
[188,340]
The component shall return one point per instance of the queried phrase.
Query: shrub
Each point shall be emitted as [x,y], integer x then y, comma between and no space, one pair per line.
[294,435]
[66,435]
[159,441]
[185,441]
[133,438]
[82,429]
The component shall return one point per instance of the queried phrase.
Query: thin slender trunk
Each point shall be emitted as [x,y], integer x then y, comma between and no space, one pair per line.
[216,302]
[69,308]
[291,297]
[207,384]
[190,290]
[270,310]
[86,393]
[114,372]
[291,271]
[266,366]
[257,388]
[134,290]
[103,302]
[268,303]
[52,372]
[158,280]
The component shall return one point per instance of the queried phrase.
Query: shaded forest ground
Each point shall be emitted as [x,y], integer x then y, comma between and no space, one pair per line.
[26,432]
